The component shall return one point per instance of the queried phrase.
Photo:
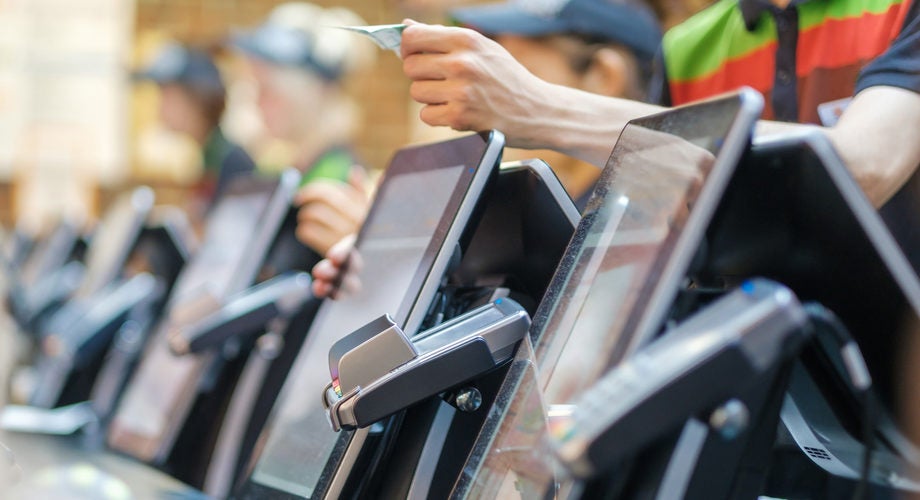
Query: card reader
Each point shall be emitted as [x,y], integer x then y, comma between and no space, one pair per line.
[377,370]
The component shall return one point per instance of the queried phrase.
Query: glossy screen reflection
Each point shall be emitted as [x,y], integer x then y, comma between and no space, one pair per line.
[113,239]
[162,381]
[393,246]
[631,228]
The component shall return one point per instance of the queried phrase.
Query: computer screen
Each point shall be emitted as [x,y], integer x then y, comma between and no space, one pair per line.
[221,248]
[114,238]
[426,192]
[49,253]
[630,251]
[164,380]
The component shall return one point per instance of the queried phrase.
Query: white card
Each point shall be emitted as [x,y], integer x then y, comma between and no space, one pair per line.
[386,36]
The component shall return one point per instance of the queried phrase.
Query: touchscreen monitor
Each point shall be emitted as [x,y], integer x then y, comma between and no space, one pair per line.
[628,256]
[114,239]
[422,205]
[238,233]
[49,254]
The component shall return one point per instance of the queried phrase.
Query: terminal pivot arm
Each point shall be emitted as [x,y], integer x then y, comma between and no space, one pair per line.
[704,362]
[246,313]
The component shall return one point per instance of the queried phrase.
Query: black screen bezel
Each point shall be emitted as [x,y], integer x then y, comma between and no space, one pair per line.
[473,152]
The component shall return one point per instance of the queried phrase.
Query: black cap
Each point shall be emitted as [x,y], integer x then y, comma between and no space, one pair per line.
[626,22]
[182,65]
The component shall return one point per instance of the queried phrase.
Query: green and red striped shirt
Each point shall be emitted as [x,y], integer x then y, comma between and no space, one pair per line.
[750,42]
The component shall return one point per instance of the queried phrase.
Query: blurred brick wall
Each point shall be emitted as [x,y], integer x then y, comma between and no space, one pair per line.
[383,92]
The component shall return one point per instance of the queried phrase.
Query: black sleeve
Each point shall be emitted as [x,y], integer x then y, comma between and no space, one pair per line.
[659,91]
[899,66]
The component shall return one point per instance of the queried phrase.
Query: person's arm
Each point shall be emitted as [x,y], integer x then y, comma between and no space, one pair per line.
[469,82]
[877,137]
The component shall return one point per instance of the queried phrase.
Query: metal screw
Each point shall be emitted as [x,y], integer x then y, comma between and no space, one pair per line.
[469,399]
[270,345]
[730,419]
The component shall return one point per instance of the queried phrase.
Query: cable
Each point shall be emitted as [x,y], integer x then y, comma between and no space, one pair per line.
[860,378]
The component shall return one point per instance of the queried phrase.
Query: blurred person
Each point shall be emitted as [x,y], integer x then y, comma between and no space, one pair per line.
[299,63]
[598,46]
[192,101]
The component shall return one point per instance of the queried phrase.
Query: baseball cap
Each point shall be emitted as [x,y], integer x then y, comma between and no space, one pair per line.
[298,34]
[176,63]
[627,22]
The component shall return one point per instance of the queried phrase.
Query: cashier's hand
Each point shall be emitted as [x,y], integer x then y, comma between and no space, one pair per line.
[328,278]
[331,210]
[469,82]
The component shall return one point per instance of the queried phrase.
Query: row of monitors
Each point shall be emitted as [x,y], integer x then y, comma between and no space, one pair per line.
[241,248]
[111,243]
[660,214]
[669,214]
[630,231]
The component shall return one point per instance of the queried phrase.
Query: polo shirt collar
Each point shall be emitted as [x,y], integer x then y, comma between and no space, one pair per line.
[752,9]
